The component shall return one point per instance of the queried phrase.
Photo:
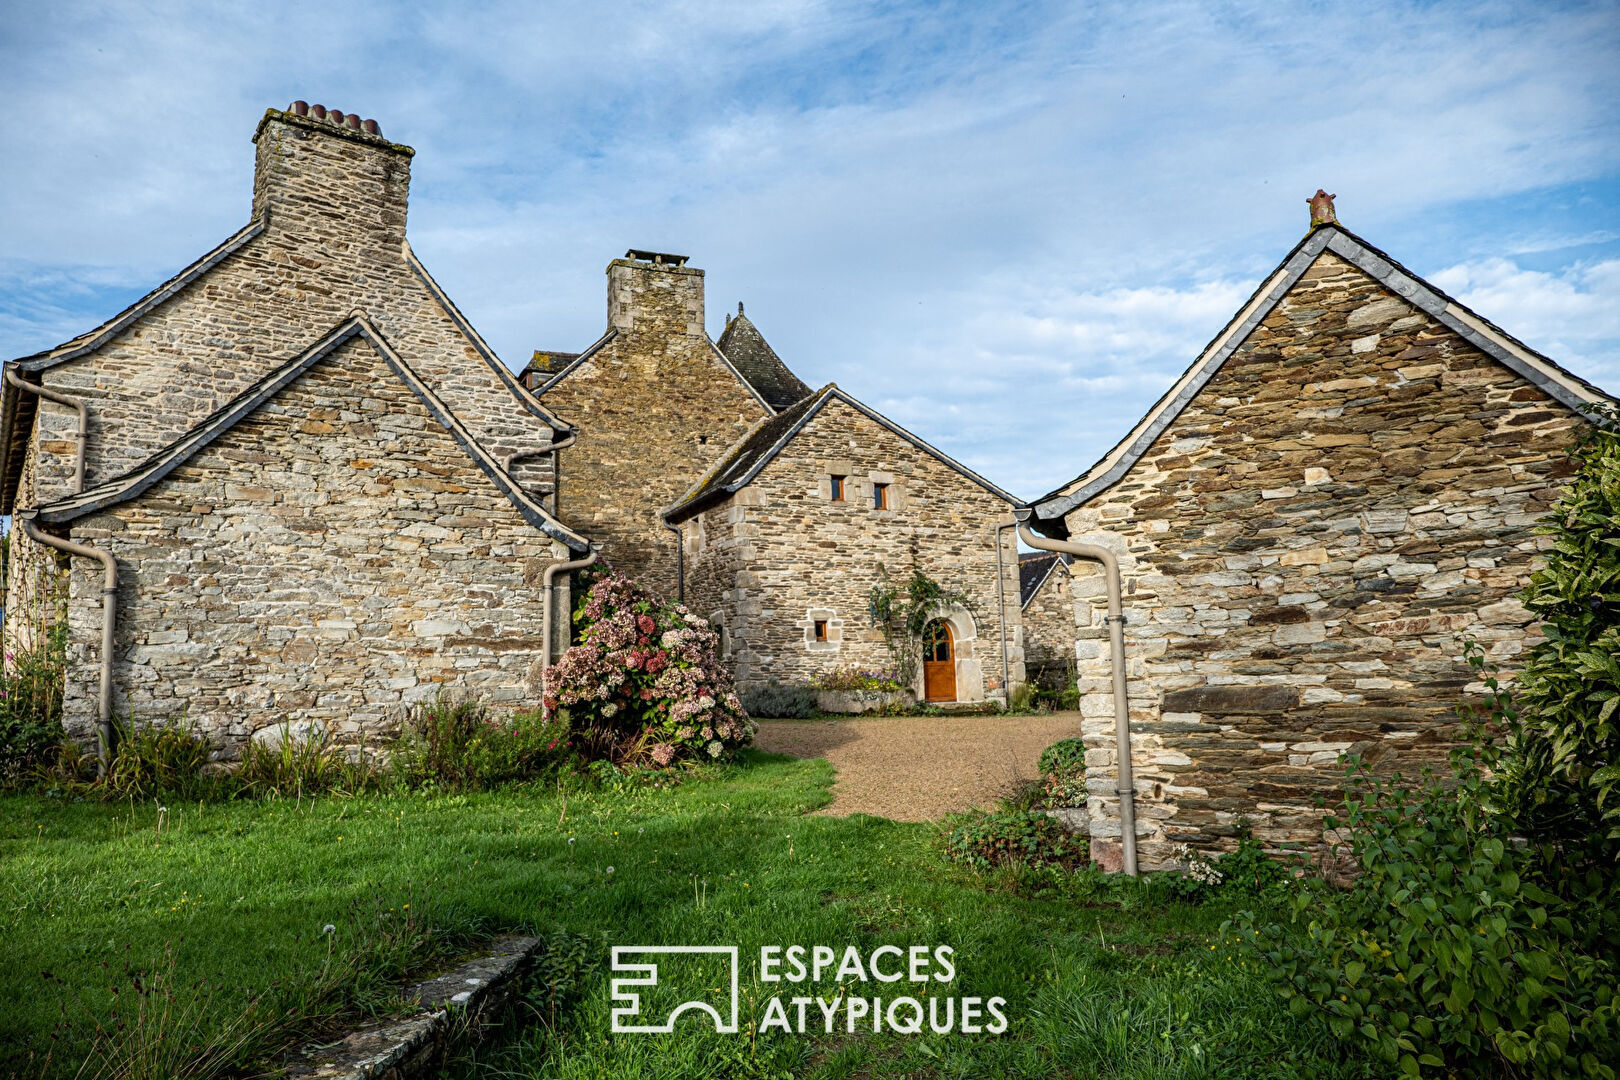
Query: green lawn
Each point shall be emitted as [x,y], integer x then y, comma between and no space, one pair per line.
[1100,982]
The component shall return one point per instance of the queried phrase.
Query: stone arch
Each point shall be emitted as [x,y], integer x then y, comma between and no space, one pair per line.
[964,640]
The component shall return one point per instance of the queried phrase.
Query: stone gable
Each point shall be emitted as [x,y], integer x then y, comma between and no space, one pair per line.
[1051,619]
[1304,548]
[657,405]
[335,557]
[779,555]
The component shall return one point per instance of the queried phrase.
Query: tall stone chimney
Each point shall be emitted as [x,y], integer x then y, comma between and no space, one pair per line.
[651,292]
[315,163]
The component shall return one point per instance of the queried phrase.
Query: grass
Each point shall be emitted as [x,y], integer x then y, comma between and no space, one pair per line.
[225,906]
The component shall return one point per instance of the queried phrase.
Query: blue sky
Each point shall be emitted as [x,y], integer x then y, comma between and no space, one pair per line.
[1007,226]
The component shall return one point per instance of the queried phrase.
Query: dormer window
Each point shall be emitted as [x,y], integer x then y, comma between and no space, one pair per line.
[880,496]
[838,488]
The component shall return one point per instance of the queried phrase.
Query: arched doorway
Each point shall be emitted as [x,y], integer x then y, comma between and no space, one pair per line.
[939,662]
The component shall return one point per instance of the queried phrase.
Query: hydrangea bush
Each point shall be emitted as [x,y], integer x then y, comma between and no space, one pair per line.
[645,684]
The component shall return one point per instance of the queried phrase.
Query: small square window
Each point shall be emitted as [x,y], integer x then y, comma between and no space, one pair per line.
[880,496]
[821,629]
[838,488]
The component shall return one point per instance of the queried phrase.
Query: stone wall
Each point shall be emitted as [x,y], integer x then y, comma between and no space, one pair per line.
[657,406]
[779,555]
[334,558]
[1305,548]
[333,206]
[1050,644]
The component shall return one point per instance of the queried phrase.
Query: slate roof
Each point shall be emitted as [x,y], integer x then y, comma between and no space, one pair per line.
[766,439]
[141,478]
[1034,567]
[752,356]
[1561,385]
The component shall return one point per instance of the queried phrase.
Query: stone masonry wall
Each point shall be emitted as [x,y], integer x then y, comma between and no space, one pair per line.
[656,407]
[1049,628]
[334,558]
[334,242]
[779,555]
[1304,549]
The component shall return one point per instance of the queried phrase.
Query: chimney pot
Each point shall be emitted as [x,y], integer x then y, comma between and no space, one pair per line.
[336,116]
[299,108]
[370,127]
[353,120]
[1322,209]
[318,111]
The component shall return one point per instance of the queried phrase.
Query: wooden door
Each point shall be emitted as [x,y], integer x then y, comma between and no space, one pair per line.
[939,662]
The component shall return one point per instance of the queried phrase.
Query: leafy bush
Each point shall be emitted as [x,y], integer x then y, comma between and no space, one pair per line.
[1246,874]
[1444,956]
[645,683]
[987,841]
[1063,771]
[295,767]
[787,701]
[159,759]
[852,679]
[462,746]
[31,706]
[1559,766]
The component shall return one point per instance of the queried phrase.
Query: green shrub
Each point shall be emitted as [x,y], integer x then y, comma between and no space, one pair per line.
[785,701]
[1246,874]
[463,746]
[1445,956]
[852,678]
[159,759]
[987,841]
[31,707]
[297,767]
[1558,770]
[1063,772]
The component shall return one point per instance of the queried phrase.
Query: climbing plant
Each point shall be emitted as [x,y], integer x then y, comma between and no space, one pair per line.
[903,616]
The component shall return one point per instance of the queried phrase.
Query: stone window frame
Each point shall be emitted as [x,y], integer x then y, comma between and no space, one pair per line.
[835,630]
[893,490]
[841,469]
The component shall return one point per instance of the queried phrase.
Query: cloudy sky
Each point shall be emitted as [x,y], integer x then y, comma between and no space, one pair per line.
[1009,226]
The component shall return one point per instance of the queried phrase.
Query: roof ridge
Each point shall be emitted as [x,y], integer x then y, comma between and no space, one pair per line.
[142,477]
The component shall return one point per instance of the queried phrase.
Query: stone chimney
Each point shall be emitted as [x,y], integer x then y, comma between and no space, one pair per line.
[316,164]
[650,291]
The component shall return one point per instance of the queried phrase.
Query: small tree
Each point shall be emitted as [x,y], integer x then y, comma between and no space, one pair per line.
[1559,770]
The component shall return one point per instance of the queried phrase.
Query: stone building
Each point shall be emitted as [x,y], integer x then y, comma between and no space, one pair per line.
[326,498]
[1338,492]
[1047,605]
[659,402]
[788,534]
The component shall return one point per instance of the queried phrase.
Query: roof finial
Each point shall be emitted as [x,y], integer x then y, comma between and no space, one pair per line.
[1322,209]
[739,307]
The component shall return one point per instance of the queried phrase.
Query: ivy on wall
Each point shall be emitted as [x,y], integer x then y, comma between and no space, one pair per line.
[903,616]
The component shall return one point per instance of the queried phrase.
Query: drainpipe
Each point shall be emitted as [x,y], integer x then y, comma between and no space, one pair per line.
[1116,635]
[73,403]
[680,562]
[1001,601]
[109,620]
[545,619]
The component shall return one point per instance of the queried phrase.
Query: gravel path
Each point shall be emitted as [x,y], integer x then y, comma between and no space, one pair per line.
[918,768]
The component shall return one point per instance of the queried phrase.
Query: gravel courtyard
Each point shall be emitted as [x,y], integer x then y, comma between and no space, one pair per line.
[918,768]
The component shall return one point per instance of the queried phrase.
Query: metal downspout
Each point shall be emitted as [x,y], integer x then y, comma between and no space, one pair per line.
[109,622]
[1116,636]
[1001,601]
[546,580]
[74,403]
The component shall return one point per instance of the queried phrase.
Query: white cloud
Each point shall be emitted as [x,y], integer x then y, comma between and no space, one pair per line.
[1572,315]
